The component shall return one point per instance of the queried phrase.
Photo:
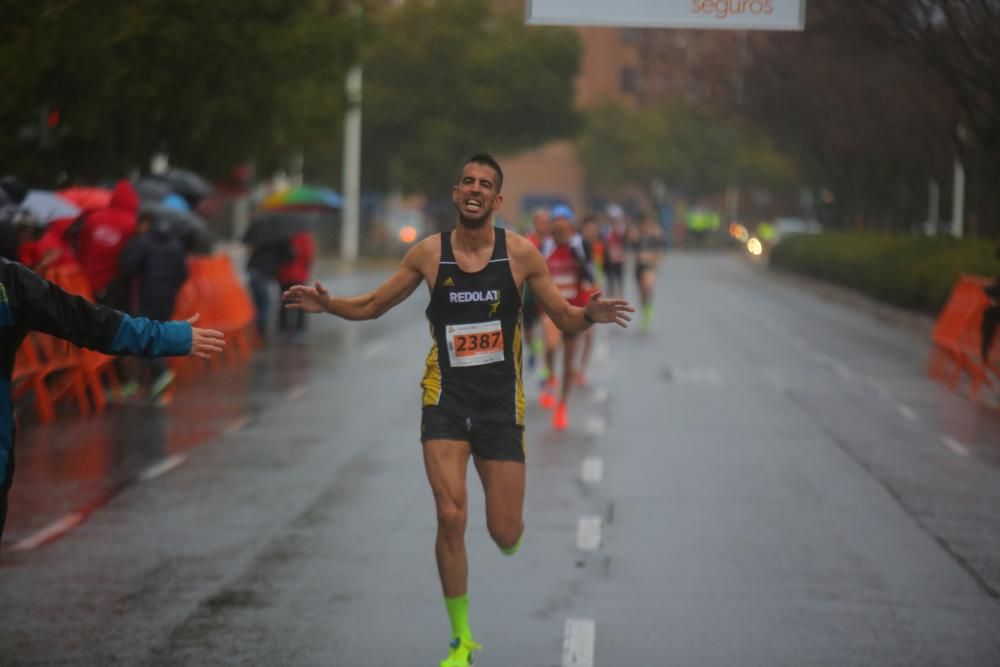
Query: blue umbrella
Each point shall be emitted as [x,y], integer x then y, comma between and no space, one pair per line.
[176,202]
[48,206]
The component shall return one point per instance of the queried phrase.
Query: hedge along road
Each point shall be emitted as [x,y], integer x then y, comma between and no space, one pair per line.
[761,480]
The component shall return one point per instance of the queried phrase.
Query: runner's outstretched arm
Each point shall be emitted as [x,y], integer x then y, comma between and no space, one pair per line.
[315,299]
[569,318]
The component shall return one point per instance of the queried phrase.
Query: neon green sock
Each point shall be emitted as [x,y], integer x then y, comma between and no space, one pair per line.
[510,551]
[458,613]
[536,346]
[647,314]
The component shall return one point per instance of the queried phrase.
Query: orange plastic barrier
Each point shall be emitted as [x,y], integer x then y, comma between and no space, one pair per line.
[53,369]
[95,366]
[214,291]
[957,338]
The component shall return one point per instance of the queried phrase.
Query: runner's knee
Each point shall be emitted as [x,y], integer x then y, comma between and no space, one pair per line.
[452,517]
[506,532]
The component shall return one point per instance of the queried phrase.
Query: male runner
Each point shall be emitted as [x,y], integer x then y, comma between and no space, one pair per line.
[593,245]
[648,244]
[473,399]
[614,256]
[569,267]
[541,230]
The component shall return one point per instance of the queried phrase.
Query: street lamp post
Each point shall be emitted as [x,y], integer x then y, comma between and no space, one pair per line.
[352,167]
[958,188]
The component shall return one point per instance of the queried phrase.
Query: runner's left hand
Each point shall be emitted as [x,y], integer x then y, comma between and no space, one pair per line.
[609,310]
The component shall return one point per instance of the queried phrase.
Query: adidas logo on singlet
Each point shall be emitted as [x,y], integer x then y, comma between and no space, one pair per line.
[448,282]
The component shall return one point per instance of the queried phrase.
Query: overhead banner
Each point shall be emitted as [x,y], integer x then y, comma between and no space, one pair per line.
[697,14]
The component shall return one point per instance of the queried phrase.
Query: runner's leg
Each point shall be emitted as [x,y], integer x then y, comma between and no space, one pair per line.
[560,419]
[446,462]
[503,486]
[588,345]
[646,280]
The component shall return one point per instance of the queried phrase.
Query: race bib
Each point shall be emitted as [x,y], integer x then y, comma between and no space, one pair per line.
[475,344]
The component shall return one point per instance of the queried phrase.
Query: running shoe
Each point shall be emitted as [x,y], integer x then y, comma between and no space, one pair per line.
[547,397]
[560,419]
[161,383]
[461,653]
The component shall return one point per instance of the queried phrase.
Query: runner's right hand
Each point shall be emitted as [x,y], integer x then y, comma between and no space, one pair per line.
[309,299]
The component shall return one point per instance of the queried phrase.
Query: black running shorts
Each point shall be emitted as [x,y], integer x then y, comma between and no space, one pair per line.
[498,442]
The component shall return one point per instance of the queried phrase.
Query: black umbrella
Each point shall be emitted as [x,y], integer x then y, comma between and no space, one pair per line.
[187,225]
[152,188]
[188,184]
[276,226]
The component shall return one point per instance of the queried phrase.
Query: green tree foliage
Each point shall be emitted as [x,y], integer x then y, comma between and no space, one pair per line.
[691,151]
[210,83]
[449,78]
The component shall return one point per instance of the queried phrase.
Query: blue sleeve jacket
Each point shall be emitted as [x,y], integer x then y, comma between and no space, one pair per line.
[30,303]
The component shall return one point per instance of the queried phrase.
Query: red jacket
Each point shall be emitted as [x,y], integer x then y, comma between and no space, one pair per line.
[54,241]
[104,234]
[297,271]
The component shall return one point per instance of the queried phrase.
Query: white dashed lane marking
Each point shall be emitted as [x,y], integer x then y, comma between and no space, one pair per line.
[297,392]
[592,470]
[49,533]
[162,468]
[578,642]
[588,533]
[237,424]
[595,426]
[955,446]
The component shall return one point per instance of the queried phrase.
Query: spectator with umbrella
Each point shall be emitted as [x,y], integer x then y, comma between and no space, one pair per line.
[155,263]
[296,272]
[102,238]
[268,239]
[12,193]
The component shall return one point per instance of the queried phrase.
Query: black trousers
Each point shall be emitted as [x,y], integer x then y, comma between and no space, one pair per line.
[991,318]
[290,320]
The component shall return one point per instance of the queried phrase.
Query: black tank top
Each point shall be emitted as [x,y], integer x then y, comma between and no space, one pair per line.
[474,366]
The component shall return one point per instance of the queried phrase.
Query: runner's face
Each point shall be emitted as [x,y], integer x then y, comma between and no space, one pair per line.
[562,230]
[543,224]
[475,195]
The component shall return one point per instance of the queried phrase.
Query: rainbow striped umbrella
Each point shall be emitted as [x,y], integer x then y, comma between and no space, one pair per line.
[303,197]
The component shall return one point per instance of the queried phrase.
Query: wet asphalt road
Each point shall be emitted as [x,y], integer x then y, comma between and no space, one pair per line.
[768,478]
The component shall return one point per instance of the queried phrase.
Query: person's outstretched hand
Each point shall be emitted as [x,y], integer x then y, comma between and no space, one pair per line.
[205,342]
[609,310]
[309,299]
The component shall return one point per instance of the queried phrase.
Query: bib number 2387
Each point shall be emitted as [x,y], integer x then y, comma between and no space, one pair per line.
[475,344]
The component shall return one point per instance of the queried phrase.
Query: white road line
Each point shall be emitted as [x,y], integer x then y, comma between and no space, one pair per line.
[371,350]
[595,426]
[955,446]
[162,468]
[600,394]
[297,392]
[588,533]
[50,532]
[592,470]
[237,424]
[842,370]
[906,412]
[602,352]
[578,642]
